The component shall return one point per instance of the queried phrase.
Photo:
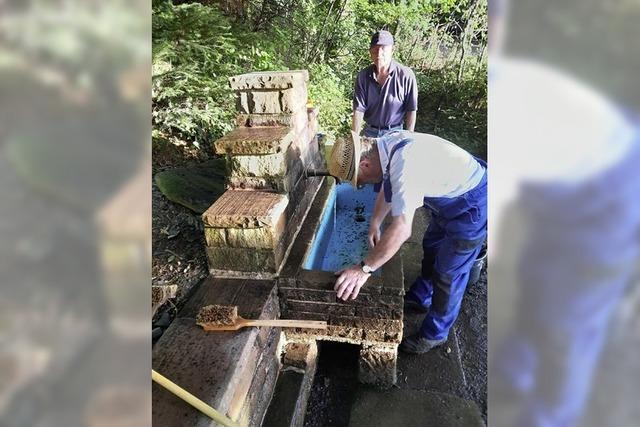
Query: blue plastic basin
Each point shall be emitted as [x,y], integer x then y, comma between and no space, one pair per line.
[341,238]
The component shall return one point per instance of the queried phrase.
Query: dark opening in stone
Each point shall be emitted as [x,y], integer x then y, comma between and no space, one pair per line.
[334,385]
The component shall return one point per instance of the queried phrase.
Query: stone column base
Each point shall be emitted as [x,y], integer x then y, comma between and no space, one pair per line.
[378,365]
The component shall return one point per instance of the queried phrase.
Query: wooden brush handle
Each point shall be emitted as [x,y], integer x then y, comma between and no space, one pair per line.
[313,324]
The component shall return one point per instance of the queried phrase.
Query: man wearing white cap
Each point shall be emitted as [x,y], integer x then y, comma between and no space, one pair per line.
[417,170]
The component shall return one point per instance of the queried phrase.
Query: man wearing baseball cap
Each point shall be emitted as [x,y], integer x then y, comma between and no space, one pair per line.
[415,170]
[385,93]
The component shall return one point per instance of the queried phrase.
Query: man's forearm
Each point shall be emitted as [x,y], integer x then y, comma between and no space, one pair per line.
[410,120]
[391,241]
[381,209]
[356,121]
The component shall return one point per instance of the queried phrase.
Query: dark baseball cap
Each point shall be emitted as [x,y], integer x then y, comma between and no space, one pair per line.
[382,38]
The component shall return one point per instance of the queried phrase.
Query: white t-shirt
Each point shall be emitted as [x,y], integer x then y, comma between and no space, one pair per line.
[427,167]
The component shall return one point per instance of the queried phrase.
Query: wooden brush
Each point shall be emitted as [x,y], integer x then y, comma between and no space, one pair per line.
[225,318]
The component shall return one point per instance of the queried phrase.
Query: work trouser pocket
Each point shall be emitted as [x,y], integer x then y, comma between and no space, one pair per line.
[464,246]
[441,292]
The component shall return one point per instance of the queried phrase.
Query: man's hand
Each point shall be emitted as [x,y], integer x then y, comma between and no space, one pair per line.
[349,282]
[374,234]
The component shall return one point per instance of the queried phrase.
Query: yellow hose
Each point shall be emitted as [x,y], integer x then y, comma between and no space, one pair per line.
[192,400]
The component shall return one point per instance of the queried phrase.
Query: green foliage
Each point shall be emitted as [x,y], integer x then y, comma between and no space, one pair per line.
[455,110]
[328,92]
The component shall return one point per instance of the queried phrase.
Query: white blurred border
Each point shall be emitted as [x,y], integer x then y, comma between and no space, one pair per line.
[75,212]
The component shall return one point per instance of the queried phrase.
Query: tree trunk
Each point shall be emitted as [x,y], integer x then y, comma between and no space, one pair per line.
[465,37]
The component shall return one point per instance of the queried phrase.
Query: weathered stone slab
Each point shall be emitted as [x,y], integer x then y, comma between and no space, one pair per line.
[300,315]
[353,330]
[412,408]
[383,330]
[232,261]
[261,238]
[377,365]
[328,309]
[242,102]
[380,312]
[218,236]
[436,370]
[242,259]
[325,305]
[264,382]
[296,120]
[300,355]
[269,80]
[284,169]
[260,165]
[209,365]
[325,280]
[292,100]
[249,392]
[365,299]
[312,120]
[287,293]
[282,184]
[393,276]
[272,102]
[265,102]
[255,140]
[245,209]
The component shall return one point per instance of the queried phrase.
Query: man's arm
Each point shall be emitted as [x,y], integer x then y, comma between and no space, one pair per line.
[351,279]
[411,104]
[410,120]
[380,212]
[390,242]
[356,122]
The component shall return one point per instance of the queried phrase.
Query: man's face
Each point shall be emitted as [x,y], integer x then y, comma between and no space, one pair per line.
[381,55]
[369,172]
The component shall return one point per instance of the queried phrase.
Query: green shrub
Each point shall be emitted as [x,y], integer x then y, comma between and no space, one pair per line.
[330,93]
[454,110]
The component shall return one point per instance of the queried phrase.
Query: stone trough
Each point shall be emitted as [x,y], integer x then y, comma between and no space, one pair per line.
[332,237]
[275,222]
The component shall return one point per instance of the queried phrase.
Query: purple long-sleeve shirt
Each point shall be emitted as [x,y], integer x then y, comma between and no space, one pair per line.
[386,105]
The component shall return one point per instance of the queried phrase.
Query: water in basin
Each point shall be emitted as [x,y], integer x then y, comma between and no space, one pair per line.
[341,239]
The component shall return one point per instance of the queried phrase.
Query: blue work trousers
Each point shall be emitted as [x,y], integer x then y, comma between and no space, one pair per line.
[575,268]
[451,244]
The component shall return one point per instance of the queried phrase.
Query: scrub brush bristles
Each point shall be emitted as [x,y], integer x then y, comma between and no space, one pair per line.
[217,315]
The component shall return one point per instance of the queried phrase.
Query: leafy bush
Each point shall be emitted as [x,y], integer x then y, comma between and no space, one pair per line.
[330,93]
[455,110]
